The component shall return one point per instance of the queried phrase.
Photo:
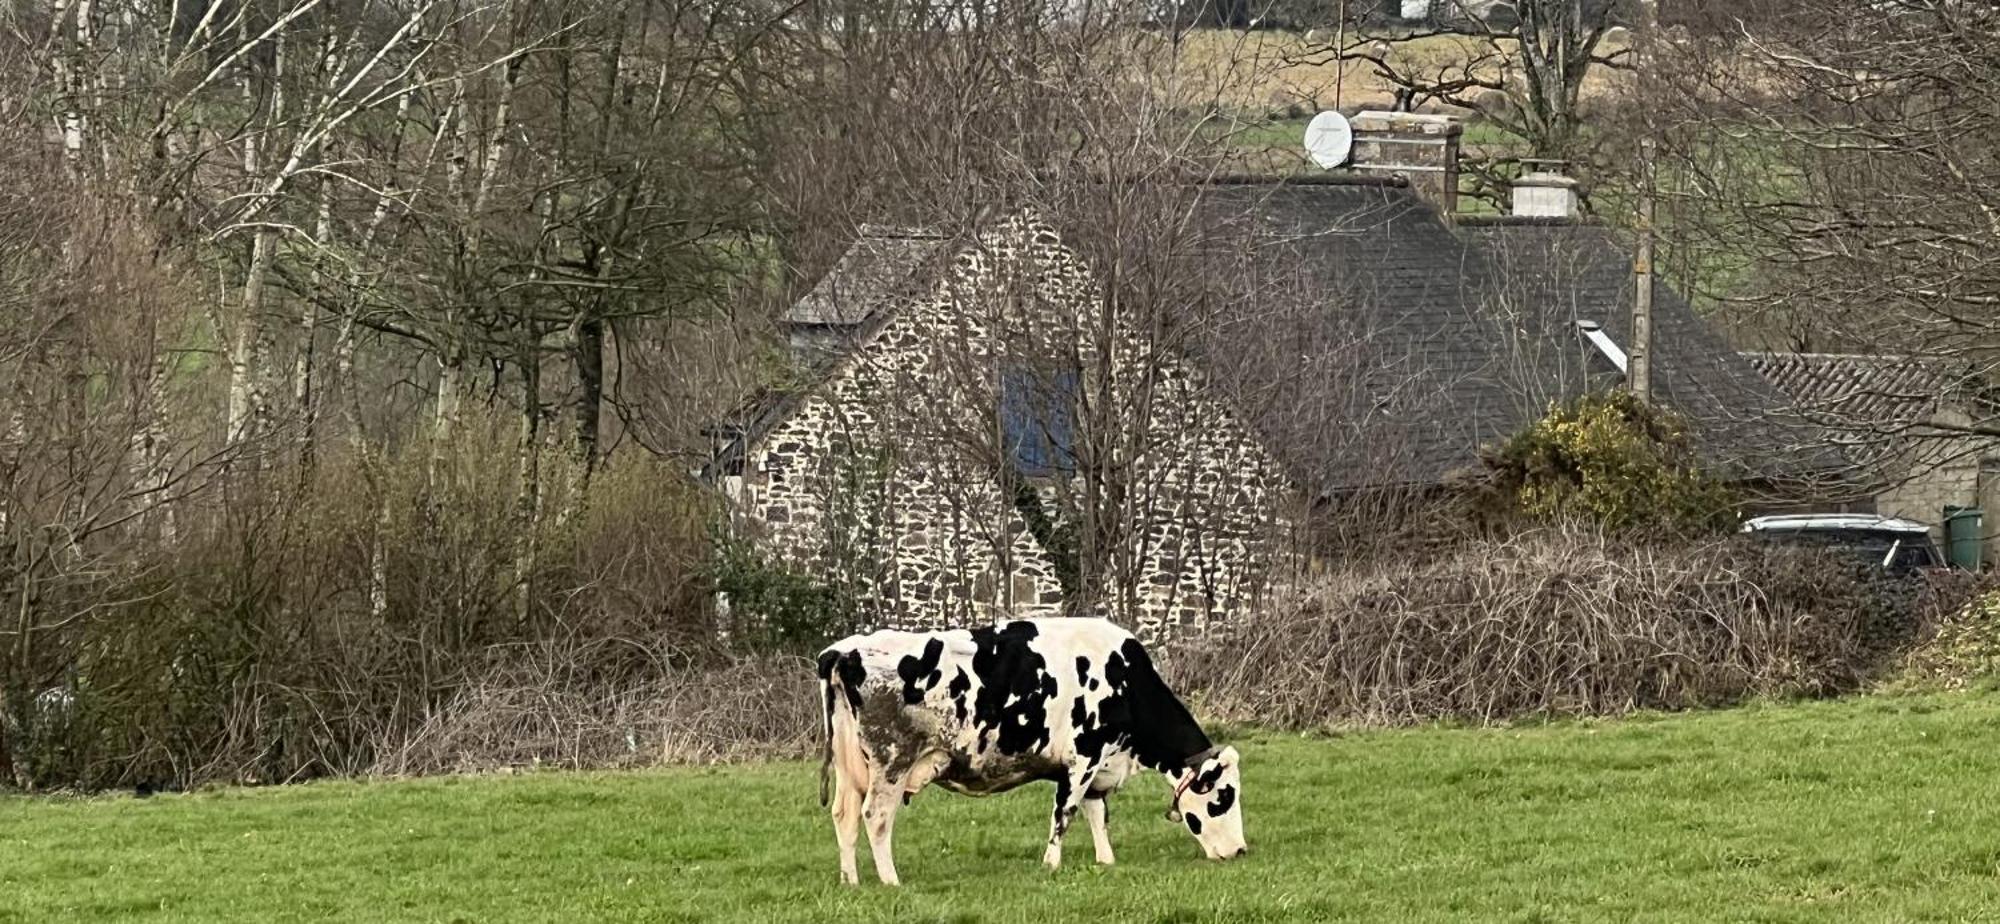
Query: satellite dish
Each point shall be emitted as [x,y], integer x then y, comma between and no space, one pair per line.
[1329,139]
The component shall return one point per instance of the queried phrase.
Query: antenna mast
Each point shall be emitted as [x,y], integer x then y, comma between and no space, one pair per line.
[1339,53]
[1639,374]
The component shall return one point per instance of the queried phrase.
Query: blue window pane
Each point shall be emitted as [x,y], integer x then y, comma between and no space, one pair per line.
[1038,420]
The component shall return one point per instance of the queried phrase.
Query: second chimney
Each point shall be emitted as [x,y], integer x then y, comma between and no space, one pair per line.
[1422,148]
[1543,194]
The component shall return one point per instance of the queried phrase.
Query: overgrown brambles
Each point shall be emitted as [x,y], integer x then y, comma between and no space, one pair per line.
[1561,622]
[541,710]
[1614,461]
[1964,651]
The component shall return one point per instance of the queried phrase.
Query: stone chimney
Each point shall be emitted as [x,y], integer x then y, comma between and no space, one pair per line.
[1421,148]
[1544,194]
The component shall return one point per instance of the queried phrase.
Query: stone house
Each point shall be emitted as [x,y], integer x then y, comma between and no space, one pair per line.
[923,455]
[1905,425]
[959,398]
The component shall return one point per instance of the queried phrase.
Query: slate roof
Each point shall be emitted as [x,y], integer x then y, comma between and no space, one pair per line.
[880,260]
[1398,345]
[1346,332]
[883,266]
[1371,344]
[1871,390]
[1582,272]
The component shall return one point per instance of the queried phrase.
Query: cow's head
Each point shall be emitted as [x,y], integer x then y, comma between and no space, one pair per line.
[1208,799]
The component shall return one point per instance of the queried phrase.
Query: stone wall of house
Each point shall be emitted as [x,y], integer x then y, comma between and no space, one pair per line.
[885,476]
[1936,471]
[862,488]
[1989,504]
[1212,533]
[1922,496]
[1206,530]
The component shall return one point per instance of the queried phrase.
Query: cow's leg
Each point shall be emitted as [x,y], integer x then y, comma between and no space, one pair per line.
[847,824]
[885,794]
[1095,810]
[1069,797]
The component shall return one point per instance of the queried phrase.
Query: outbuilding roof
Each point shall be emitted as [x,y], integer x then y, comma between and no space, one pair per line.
[1877,391]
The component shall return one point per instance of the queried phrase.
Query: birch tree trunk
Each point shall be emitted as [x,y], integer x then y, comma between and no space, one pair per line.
[69,65]
[588,358]
[452,359]
[528,463]
[450,399]
[303,397]
[249,353]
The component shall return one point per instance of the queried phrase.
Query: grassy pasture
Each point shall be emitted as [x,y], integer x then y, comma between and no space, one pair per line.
[1260,70]
[1871,809]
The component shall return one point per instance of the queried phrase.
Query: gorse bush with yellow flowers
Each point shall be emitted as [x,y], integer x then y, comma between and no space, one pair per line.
[1611,460]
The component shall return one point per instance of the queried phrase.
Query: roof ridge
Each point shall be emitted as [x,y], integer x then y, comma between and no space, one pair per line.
[1882,357]
[1364,180]
[897,232]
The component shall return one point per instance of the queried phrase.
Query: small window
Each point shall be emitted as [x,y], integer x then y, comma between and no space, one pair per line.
[1038,420]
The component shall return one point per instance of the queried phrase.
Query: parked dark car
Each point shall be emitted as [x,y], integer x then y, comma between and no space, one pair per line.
[1900,546]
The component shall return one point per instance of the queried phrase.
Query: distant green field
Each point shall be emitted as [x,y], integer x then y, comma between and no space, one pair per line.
[1278,146]
[1873,809]
[1290,134]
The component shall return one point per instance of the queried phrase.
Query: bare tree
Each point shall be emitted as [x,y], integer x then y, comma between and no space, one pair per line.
[317,241]
[1051,400]
[1829,181]
[1522,67]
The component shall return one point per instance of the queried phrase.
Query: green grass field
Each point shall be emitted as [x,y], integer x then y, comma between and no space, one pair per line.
[1873,809]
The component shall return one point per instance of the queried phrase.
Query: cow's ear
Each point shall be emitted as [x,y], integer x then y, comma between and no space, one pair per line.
[1230,758]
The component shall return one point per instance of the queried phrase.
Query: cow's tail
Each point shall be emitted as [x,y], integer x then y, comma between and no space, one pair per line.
[827,697]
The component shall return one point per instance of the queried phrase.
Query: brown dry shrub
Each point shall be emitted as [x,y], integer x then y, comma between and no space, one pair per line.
[1560,622]
[540,710]
[332,624]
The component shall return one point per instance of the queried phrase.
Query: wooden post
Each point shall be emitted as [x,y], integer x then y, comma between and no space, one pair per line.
[1639,364]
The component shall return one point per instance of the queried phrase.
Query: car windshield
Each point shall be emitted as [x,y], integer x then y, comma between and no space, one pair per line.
[1912,550]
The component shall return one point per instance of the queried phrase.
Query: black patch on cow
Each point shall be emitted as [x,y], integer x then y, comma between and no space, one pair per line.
[827,659]
[1014,689]
[852,675]
[920,674]
[1082,671]
[1224,798]
[1206,780]
[1110,726]
[1193,823]
[1161,732]
[1063,808]
[960,686]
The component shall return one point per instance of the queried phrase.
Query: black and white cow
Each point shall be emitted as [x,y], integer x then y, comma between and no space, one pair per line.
[980,711]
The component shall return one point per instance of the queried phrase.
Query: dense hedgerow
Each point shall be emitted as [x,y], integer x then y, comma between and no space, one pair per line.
[331,623]
[1562,622]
